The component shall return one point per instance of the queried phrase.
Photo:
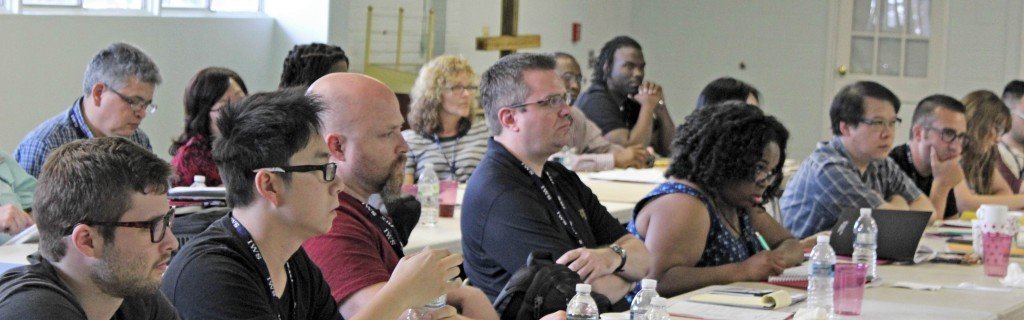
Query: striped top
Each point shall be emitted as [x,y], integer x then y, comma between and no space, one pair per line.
[464,152]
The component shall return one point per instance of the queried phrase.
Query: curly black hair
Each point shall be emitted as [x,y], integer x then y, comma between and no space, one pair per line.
[722,144]
[306,63]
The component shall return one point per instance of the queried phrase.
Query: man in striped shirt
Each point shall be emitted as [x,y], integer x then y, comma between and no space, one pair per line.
[117,96]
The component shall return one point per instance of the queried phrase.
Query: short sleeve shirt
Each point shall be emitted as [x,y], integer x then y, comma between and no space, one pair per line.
[901,155]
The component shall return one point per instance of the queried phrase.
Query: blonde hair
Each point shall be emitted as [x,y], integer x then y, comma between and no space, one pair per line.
[425,107]
[985,111]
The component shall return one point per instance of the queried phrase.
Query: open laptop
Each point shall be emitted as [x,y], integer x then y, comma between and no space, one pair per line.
[899,232]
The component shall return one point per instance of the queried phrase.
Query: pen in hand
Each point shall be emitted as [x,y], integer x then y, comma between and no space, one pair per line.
[761,240]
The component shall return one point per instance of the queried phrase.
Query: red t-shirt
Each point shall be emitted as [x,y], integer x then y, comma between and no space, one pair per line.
[355,254]
[193,158]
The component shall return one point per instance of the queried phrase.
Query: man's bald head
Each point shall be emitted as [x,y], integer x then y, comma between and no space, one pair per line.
[353,101]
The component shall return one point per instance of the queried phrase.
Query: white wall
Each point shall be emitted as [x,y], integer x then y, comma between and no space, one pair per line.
[43,58]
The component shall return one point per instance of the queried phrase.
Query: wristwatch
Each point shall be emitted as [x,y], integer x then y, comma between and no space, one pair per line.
[622,254]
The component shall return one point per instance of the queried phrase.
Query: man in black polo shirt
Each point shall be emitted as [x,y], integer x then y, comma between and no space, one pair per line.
[932,156]
[517,203]
[629,110]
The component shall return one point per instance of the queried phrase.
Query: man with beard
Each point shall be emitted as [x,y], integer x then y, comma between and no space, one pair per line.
[629,110]
[101,208]
[362,129]
[517,202]
[593,151]
[283,191]
[1011,144]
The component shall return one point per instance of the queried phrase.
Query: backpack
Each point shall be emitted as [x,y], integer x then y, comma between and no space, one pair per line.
[540,288]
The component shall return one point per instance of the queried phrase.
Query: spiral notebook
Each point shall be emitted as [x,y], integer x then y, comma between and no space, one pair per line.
[798,281]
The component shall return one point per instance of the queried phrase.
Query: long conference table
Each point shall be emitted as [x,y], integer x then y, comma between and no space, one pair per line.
[881,299]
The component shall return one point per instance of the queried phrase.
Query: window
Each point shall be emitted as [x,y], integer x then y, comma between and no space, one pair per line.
[143,6]
[214,5]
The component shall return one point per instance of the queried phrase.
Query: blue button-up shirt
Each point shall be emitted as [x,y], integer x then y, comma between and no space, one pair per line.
[63,128]
[828,183]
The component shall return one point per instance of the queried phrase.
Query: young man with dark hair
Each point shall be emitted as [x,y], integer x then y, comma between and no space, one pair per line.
[629,110]
[101,208]
[853,169]
[932,156]
[1011,144]
[282,189]
[117,95]
[517,202]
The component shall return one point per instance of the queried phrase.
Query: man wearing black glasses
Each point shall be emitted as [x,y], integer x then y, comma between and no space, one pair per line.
[105,241]
[932,156]
[117,95]
[517,203]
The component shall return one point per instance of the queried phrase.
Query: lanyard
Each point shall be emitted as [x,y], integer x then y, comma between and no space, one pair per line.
[455,150]
[264,271]
[386,227]
[558,207]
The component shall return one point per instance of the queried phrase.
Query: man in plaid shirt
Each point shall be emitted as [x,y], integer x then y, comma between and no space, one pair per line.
[117,96]
[853,169]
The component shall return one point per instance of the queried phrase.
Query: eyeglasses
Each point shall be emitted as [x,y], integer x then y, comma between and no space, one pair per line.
[551,102]
[135,103]
[157,227]
[765,176]
[570,77]
[879,124]
[329,169]
[462,89]
[949,135]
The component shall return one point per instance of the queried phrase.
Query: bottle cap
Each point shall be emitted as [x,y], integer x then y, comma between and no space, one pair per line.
[823,239]
[865,212]
[199,178]
[648,284]
[582,288]
[659,302]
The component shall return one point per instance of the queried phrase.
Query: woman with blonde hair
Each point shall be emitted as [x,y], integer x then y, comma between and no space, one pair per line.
[444,135]
[987,120]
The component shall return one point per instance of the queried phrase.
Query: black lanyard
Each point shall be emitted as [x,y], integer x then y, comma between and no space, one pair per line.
[558,207]
[455,151]
[386,227]
[264,271]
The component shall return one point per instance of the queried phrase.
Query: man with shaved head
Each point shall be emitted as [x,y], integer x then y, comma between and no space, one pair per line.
[362,129]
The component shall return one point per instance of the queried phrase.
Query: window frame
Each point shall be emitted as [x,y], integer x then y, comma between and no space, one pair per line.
[148,8]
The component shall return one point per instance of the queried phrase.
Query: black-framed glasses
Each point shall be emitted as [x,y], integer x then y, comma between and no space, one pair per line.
[949,135]
[462,89]
[135,103]
[329,169]
[157,226]
[551,102]
[878,124]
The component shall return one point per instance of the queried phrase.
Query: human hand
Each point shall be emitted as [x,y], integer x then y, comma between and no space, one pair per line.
[426,275]
[13,220]
[590,264]
[947,173]
[446,312]
[632,157]
[559,315]
[473,303]
[764,264]
[648,94]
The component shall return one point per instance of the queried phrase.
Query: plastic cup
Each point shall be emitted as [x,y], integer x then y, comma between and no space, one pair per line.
[996,254]
[849,288]
[449,189]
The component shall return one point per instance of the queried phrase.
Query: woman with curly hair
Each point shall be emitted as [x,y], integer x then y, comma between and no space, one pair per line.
[209,91]
[702,225]
[444,134]
[987,119]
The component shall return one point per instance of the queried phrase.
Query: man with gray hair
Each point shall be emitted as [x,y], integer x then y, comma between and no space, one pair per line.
[516,194]
[117,95]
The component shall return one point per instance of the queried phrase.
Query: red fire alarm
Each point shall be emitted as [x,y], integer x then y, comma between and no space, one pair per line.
[576,32]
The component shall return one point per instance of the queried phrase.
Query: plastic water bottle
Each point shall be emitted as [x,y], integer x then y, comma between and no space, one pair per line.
[866,244]
[642,300]
[659,310]
[429,187]
[821,276]
[423,313]
[438,303]
[582,306]
[198,181]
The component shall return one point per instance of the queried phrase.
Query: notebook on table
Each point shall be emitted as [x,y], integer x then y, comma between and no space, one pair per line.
[899,232]
[749,298]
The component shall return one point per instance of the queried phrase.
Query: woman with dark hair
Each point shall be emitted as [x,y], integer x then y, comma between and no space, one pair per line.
[444,134]
[307,62]
[724,89]
[702,225]
[207,93]
[988,118]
